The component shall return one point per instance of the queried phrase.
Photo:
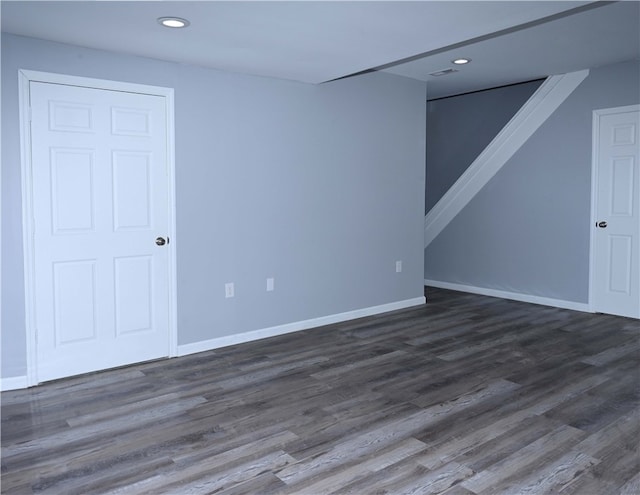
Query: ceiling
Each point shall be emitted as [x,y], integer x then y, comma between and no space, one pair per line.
[318,41]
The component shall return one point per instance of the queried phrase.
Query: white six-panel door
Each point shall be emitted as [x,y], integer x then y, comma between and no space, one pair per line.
[616,235]
[100,199]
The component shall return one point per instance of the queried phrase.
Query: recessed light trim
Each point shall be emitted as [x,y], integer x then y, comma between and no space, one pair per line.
[173,22]
[461,61]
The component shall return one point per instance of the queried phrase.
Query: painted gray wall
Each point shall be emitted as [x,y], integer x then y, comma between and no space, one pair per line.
[460,127]
[528,230]
[321,187]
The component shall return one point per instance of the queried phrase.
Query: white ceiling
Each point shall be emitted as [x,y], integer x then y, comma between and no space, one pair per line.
[592,38]
[317,41]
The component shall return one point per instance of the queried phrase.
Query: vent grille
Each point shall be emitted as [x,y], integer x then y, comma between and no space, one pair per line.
[442,72]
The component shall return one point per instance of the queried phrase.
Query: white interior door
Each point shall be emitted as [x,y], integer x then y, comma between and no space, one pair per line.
[616,237]
[100,199]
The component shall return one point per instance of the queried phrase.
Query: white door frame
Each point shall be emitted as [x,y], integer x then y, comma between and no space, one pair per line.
[595,137]
[25,77]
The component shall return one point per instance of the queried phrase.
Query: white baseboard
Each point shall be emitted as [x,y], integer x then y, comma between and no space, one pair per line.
[515,296]
[19,382]
[13,383]
[207,345]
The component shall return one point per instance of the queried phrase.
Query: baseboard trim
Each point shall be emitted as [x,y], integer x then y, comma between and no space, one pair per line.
[547,98]
[207,345]
[13,383]
[515,296]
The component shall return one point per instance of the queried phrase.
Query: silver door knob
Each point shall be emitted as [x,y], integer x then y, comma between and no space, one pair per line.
[602,225]
[160,241]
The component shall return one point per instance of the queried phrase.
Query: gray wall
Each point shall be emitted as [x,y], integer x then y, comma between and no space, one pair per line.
[460,127]
[528,231]
[321,187]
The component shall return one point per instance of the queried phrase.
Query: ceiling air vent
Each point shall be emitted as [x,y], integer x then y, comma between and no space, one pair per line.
[442,72]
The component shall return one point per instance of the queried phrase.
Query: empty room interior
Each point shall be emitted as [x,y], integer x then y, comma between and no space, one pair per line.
[313,247]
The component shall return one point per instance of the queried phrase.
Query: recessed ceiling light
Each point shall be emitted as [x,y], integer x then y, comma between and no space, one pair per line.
[173,22]
[461,61]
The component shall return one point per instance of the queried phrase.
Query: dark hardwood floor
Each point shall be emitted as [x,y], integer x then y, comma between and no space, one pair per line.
[466,395]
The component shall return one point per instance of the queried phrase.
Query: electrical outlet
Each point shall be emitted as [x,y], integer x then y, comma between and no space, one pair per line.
[398,266]
[229,290]
[270,284]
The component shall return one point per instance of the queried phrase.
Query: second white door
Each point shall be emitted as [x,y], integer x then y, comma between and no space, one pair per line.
[100,201]
[616,241]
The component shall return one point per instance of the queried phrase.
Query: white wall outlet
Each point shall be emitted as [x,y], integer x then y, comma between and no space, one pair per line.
[270,284]
[229,290]
[398,266]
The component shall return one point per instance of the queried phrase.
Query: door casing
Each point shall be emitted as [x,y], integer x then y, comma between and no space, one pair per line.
[597,114]
[25,78]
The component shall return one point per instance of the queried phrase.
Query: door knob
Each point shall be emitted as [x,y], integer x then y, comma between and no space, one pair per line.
[160,241]
[602,225]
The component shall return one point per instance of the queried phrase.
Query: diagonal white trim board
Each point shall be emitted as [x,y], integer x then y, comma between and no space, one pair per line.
[518,130]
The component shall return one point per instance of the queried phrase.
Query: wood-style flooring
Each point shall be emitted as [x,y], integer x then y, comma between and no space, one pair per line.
[465,395]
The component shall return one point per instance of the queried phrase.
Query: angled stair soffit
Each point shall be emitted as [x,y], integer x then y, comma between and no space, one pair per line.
[518,130]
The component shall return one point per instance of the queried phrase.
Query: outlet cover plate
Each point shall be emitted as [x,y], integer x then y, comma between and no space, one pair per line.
[229,290]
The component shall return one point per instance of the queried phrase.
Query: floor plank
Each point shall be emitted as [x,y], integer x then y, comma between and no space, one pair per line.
[467,395]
